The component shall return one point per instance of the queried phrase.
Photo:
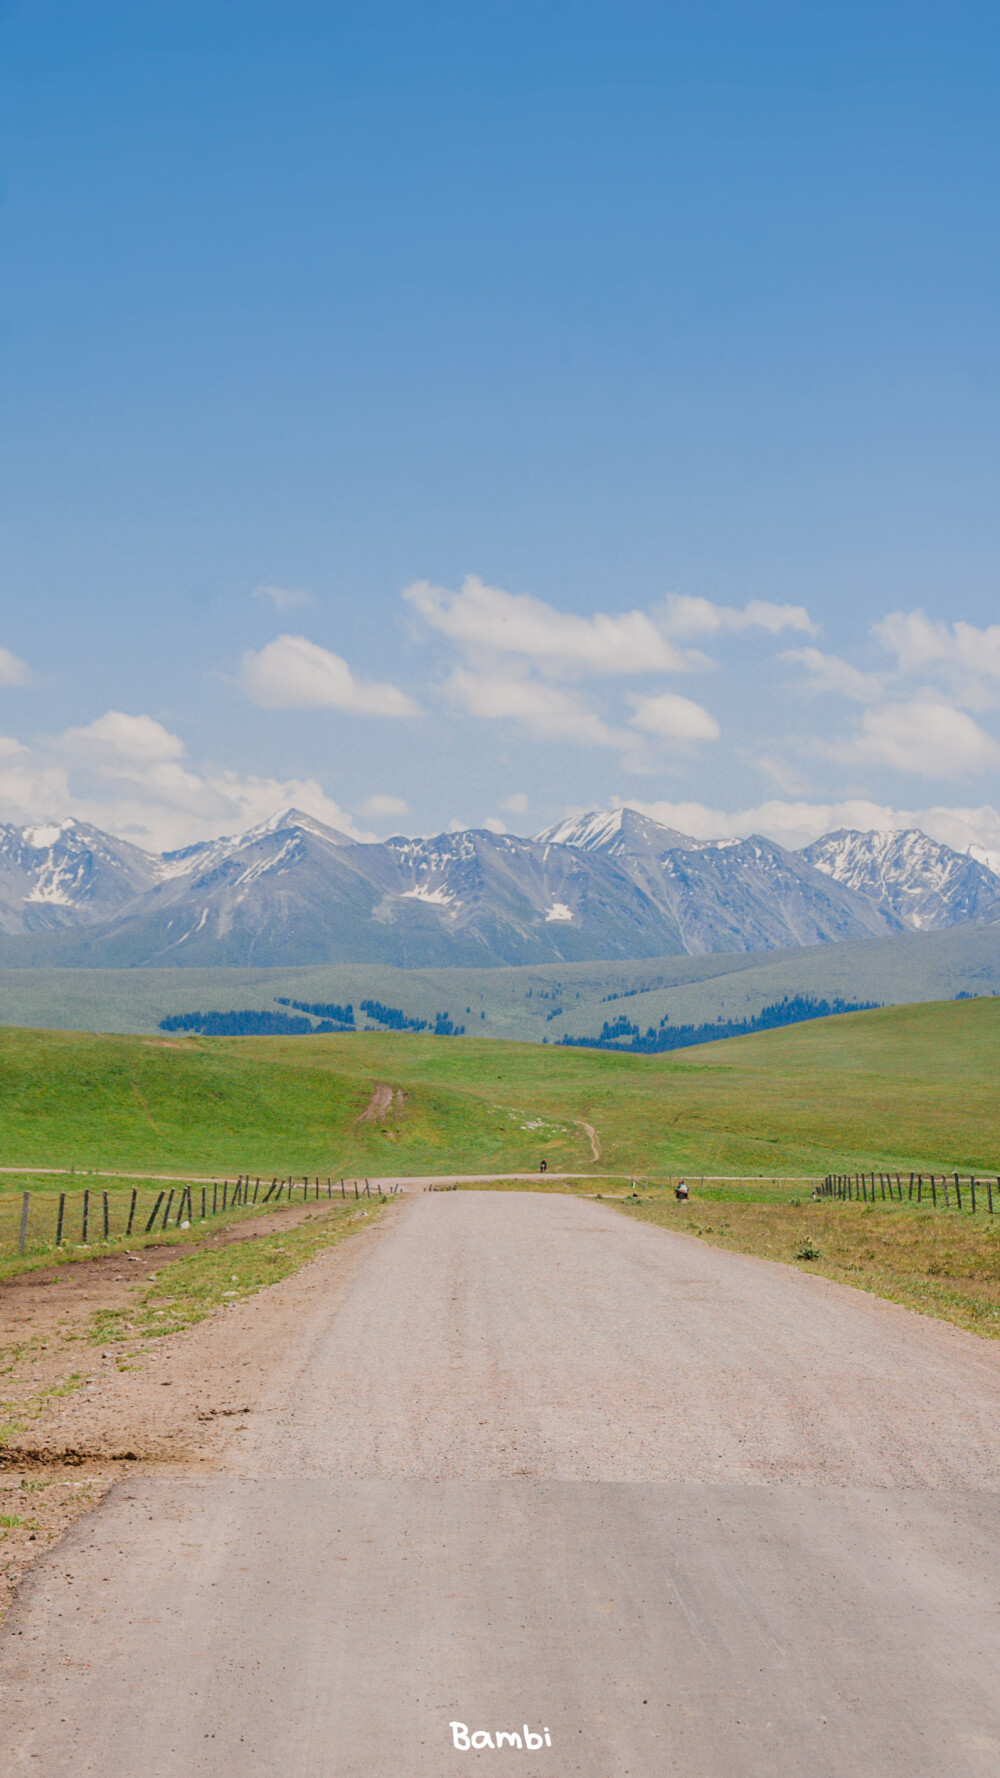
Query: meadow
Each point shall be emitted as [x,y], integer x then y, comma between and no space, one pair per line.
[527,1003]
[903,1088]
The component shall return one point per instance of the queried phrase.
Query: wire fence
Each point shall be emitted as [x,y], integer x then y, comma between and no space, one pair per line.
[38,1222]
[941,1191]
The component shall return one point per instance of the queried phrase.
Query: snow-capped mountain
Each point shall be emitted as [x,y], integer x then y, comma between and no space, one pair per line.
[726,895]
[619,832]
[65,873]
[925,884]
[293,891]
[298,892]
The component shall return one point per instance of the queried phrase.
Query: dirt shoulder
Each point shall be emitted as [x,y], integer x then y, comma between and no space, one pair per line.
[154,1358]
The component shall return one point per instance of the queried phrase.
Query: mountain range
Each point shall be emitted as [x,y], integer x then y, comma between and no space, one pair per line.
[601,886]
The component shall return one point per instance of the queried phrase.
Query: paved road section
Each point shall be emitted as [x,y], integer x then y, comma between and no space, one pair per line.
[538,1466]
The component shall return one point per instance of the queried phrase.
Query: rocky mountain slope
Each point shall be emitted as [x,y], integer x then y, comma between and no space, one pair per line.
[65,873]
[727,895]
[925,884]
[293,891]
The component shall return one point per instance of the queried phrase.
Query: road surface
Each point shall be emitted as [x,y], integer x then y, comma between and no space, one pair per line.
[537,1466]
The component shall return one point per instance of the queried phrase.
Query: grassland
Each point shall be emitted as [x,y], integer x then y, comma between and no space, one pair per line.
[529,1003]
[907,1087]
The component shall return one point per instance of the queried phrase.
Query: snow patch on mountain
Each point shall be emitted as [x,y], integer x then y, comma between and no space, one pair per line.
[437,897]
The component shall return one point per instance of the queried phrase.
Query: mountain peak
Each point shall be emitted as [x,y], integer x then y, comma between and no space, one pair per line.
[295,819]
[923,882]
[618,831]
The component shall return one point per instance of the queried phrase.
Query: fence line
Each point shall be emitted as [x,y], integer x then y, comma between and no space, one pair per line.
[45,1222]
[921,1188]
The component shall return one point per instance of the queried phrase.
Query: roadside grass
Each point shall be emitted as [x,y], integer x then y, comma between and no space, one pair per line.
[942,1264]
[40,1248]
[186,1291]
[625,1187]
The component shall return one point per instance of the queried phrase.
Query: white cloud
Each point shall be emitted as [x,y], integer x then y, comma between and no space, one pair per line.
[795,824]
[123,742]
[672,718]
[548,711]
[380,806]
[517,804]
[487,620]
[493,824]
[284,598]
[924,735]
[686,616]
[918,642]
[830,673]
[128,775]
[294,673]
[13,671]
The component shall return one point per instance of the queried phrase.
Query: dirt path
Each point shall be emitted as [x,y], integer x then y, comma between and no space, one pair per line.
[513,1460]
[591,1134]
[78,1415]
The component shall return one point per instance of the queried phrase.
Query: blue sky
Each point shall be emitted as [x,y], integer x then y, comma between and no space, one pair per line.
[435,414]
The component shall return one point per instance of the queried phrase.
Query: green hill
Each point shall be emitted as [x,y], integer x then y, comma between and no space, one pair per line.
[906,1087]
[525,1004]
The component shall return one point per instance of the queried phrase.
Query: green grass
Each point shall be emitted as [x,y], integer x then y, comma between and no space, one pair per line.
[521,1004]
[40,1248]
[908,1087]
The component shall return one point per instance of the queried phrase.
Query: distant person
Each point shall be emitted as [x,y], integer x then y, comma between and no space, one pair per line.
[681,1192]
[544,1167]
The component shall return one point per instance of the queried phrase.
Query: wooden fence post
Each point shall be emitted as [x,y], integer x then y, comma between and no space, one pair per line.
[59,1218]
[155,1212]
[107,1228]
[86,1217]
[166,1213]
[933,1191]
[972,1188]
[22,1238]
[958,1192]
[131,1211]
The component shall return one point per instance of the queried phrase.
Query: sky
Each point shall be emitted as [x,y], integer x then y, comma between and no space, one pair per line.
[433,415]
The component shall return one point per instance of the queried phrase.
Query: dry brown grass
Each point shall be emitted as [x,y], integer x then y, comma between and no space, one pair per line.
[946,1265]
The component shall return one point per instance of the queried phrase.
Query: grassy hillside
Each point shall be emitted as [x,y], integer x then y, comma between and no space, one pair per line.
[906,1087]
[530,1003]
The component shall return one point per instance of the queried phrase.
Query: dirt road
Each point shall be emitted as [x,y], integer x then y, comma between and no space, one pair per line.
[529,1464]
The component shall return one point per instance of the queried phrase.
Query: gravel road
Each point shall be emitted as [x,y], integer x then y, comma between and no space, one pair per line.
[533,1464]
